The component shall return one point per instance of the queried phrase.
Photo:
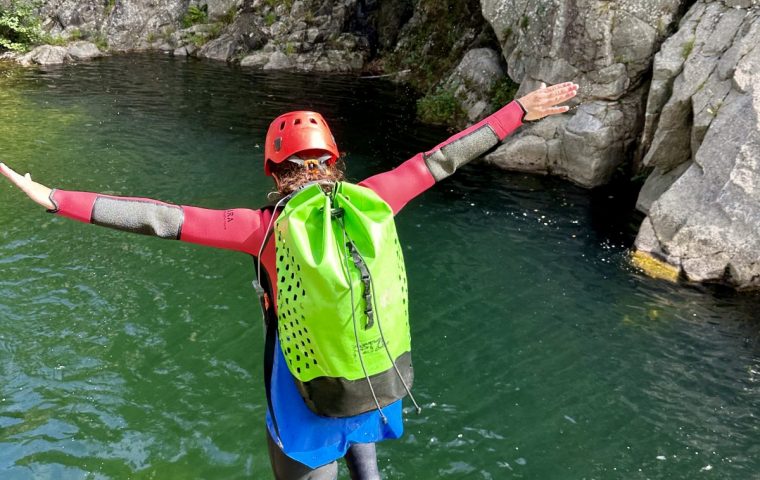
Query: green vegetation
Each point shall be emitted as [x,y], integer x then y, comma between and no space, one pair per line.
[109,6]
[74,35]
[100,41]
[270,18]
[56,40]
[214,30]
[198,15]
[503,92]
[198,39]
[229,16]
[687,48]
[19,26]
[433,47]
[440,107]
[273,3]
[290,49]
[166,33]
[524,22]
[195,15]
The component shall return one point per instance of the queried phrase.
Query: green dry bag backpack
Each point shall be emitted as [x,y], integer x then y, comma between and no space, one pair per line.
[342,314]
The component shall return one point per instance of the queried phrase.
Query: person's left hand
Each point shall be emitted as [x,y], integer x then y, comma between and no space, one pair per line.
[544,101]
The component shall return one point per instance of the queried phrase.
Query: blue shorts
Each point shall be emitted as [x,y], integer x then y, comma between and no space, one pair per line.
[315,440]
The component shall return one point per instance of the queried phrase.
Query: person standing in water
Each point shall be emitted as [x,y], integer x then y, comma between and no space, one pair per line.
[304,440]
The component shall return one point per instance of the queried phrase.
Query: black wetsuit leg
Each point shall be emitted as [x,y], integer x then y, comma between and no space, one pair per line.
[361,460]
[285,468]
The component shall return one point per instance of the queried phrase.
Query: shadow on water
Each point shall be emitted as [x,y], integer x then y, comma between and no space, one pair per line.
[539,351]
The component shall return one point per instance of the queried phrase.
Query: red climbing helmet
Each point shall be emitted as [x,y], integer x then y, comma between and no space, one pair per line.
[295,132]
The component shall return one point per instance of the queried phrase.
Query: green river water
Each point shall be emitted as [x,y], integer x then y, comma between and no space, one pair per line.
[540,353]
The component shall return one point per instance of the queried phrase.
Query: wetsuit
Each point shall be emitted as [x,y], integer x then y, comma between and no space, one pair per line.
[313,441]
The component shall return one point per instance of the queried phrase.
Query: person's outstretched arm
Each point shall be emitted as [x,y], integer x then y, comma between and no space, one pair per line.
[411,178]
[238,229]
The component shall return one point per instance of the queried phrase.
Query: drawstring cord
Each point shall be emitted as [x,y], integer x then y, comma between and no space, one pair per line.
[257,282]
[356,331]
[385,344]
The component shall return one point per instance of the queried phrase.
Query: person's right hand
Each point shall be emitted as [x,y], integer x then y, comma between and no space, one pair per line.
[36,191]
[545,100]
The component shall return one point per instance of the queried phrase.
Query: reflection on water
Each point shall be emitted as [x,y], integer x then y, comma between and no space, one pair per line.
[540,353]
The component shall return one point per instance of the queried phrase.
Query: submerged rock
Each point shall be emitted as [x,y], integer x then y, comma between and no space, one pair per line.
[703,118]
[82,50]
[56,55]
[45,55]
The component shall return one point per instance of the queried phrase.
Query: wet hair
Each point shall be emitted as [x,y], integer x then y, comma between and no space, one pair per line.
[291,177]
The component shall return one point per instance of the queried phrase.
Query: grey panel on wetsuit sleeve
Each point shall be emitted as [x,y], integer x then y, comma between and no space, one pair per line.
[138,216]
[444,161]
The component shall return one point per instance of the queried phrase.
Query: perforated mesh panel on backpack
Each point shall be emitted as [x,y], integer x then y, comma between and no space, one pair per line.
[295,341]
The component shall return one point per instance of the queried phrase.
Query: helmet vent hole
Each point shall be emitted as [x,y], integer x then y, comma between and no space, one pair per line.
[297,122]
[282,126]
[313,121]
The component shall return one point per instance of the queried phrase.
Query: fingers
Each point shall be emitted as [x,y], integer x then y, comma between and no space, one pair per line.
[20,181]
[5,170]
[558,93]
[546,100]
[546,111]
[555,110]
[9,173]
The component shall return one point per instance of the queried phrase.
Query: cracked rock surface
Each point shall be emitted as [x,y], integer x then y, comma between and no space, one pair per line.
[607,48]
[702,140]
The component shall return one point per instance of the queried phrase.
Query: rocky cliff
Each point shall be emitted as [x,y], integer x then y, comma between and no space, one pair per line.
[606,47]
[701,141]
[669,88]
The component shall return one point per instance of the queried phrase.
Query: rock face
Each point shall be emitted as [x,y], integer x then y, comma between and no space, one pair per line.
[308,35]
[473,80]
[604,46]
[305,35]
[127,25]
[702,138]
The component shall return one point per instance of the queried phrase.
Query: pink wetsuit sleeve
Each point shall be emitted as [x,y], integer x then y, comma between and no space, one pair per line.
[400,185]
[411,178]
[237,229]
[74,205]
